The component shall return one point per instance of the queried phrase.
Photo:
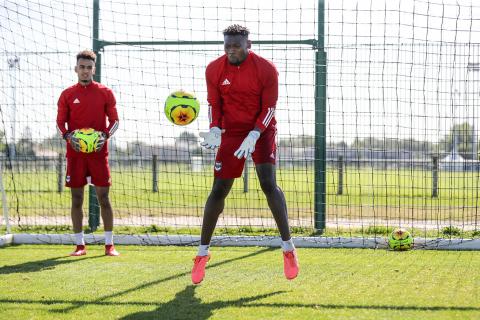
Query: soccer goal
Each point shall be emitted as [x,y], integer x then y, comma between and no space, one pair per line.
[377,120]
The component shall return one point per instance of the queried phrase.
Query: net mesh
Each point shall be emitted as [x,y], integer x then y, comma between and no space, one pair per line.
[402,137]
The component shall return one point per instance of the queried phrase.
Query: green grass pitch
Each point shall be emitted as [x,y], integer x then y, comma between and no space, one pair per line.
[393,193]
[41,282]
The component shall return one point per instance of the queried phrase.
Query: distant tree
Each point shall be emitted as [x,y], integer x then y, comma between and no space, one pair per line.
[186,137]
[462,136]
[137,148]
[54,143]
[342,145]
[392,144]
[303,141]
[25,146]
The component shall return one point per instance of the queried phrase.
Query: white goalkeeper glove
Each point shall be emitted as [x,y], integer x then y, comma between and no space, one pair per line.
[101,141]
[248,145]
[212,138]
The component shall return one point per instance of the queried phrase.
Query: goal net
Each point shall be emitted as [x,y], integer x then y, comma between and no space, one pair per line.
[401,124]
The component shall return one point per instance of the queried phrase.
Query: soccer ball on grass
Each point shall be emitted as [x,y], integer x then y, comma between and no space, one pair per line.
[400,240]
[181,107]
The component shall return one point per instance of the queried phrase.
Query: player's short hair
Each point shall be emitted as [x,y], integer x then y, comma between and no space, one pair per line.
[236,29]
[87,54]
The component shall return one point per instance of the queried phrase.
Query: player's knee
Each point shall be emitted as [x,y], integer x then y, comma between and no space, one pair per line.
[220,190]
[218,194]
[268,186]
[77,201]
[103,200]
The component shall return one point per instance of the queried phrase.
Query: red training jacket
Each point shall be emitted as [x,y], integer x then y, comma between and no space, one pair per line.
[242,97]
[87,107]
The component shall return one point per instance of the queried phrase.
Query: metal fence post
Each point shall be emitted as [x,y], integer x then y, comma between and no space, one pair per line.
[340,167]
[6,218]
[154,173]
[60,173]
[435,177]
[245,177]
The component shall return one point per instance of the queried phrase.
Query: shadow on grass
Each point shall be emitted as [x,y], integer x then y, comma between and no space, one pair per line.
[42,265]
[186,306]
[76,305]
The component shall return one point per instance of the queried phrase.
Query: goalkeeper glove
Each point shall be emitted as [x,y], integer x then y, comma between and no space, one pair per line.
[101,141]
[67,135]
[212,138]
[72,140]
[248,145]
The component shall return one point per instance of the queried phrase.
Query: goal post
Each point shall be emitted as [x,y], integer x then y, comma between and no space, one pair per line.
[317,45]
[320,170]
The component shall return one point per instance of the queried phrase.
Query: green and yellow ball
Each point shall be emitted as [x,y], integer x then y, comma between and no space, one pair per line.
[88,139]
[181,108]
[400,240]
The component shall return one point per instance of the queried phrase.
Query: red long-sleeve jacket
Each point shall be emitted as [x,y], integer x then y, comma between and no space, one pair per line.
[87,107]
[242,97]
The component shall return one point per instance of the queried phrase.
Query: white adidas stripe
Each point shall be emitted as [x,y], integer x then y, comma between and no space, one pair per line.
[269,116]
[113,128]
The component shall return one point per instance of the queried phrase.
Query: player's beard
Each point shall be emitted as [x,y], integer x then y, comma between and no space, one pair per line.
[236,60]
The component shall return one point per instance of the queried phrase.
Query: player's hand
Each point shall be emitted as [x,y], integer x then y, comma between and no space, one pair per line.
[67,135]
[101,141]
[248,145]
[74,142]
[211,139]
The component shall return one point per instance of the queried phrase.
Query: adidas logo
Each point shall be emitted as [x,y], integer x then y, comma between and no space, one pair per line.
[225,82]
[76,100]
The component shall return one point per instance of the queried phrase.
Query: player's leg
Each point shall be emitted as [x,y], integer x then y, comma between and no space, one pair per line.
[106,212]
[77,220]
[277,203]
[265,158]
[213,208]
[227,167]
[76,179]
[100,173]
[275,197]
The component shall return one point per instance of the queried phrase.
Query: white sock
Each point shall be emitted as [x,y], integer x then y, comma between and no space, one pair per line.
[79,241]
[203,250]
[108,238]
[288,245]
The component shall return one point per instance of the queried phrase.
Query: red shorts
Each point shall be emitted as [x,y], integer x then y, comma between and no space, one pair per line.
[79,168]
[227,166]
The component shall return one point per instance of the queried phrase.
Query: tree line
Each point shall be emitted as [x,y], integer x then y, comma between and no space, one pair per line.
[460,137]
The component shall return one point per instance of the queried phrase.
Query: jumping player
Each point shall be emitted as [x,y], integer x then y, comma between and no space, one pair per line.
[242,94]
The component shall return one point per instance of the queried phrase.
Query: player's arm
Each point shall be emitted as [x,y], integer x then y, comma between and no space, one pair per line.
[214,99]
[269,98]
[62,119]
[269,79]
[212,138]
[62,116]
[112,115]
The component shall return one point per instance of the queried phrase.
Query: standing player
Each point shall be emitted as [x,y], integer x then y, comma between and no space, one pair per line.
[88,104]
[242,93]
